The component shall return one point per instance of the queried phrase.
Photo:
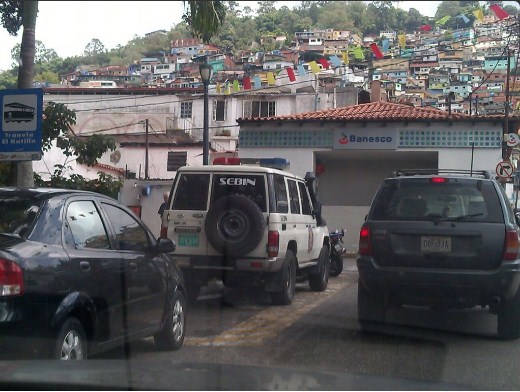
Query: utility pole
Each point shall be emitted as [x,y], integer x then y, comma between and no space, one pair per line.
[146,154]
[506,109]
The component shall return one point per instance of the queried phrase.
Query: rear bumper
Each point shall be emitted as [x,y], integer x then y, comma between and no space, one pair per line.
[221,263]
[453,288]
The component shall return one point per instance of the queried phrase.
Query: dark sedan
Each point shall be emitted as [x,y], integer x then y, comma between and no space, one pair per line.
[80,273]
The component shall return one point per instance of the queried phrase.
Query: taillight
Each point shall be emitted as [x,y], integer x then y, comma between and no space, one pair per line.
[438,180]
[511,245]
[365,247]
[273,243]
[11,278]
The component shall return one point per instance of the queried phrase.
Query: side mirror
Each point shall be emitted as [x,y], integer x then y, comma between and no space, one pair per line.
[165,245]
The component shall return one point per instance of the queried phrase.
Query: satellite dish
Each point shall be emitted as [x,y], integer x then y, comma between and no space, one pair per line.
[115,156]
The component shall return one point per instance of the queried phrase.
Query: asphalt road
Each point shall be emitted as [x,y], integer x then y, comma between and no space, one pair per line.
[320,331]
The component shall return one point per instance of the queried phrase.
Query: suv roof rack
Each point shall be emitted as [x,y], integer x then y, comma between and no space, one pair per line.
[417,172]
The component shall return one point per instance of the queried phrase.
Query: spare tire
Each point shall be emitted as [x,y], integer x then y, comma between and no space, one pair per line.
[234,225]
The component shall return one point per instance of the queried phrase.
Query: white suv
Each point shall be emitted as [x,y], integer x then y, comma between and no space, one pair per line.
[247,225]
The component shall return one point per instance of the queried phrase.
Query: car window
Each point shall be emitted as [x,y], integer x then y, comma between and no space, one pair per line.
[253,186]
[306,203]
[280,192]
[129,233]
[423,200]
[86,226]
[17,213]
[191,192]
[294,197]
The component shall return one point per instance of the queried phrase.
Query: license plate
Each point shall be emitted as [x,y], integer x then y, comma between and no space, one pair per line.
[435,244]
[191,240]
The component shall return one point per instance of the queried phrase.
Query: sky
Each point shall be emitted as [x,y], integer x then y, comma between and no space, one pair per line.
[67,27]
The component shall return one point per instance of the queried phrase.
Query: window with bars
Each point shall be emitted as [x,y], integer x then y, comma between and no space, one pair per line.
[176,159]
[219,110]
[259,109]
[186,108]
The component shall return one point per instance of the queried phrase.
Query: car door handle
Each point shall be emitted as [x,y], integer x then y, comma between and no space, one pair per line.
[84,265]
[133,267]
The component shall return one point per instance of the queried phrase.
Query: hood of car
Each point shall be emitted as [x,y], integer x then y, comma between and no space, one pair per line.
[163,375]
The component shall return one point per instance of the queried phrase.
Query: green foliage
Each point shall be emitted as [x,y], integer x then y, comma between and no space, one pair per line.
[11,15]
[8,79]
[105,183]
[204,18]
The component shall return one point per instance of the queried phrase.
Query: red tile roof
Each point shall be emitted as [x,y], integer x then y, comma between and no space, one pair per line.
[374,111]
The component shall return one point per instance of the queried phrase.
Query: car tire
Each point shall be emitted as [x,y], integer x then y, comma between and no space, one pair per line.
[234,225]
[286,294]
[336,264]
[508,318]
[171,337]
[370,306]
[319,281]
[71,343]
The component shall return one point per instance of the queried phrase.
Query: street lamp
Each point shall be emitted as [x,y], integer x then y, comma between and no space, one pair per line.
[205,75]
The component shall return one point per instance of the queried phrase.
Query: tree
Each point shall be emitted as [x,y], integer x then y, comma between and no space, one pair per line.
[204,17]
[94,47]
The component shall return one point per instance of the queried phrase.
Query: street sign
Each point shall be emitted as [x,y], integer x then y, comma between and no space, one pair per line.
[505,169]
[21,114]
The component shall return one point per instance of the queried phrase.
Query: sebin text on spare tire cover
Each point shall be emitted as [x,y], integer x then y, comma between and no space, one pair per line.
[234,225]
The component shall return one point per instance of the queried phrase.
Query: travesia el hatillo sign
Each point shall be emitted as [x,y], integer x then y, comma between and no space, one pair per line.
[21,114]
[365,140]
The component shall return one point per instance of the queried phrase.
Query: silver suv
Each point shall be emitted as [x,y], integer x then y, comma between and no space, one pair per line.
[442,239]
[247,225]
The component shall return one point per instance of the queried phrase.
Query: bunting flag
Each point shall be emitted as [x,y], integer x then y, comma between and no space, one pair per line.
[301,70]
[344,57]
[479,14]
[270,78]
[464,18]
[336,62]
[425,28]
[258,82]
[219,88]
[386,45]
[498,11]
[324,63]
[402,40]
[290,73]
[442,21]
[358,53]
[247,83]
[236,86]
[376,50]
[314,67]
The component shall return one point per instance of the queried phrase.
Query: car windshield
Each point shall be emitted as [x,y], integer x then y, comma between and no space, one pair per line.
[260,195]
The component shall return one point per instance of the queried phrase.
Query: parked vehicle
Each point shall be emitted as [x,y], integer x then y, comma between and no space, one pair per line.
[247,225]
[442,239]
[337,251]
[80,273]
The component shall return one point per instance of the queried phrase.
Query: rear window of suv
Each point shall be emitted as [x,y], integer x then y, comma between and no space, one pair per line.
[253,186]
[422,199]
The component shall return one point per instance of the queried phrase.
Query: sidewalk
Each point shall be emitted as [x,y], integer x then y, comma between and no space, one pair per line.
[349,262]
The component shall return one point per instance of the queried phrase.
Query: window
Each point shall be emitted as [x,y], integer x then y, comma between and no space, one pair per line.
[259,109]
[186,108]
[129,234]
[192,192]
[176,159]
[306,202]
[86,226]
[219,110]
[280,194]
[250,185]
[293,197]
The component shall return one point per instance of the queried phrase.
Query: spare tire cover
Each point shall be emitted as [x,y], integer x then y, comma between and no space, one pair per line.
[234,225]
